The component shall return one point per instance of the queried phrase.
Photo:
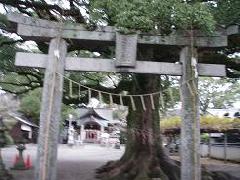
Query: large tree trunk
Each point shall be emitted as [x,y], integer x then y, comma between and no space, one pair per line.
[144,157]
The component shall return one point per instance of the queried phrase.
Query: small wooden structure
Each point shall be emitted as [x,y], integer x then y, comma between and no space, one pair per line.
[93,123]
[24,130]
[56,62]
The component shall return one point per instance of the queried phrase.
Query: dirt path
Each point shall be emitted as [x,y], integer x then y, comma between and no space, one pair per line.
[73,163]
[80,162]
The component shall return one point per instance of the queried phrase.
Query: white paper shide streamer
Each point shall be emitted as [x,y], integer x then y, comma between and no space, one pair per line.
[133,103]
[143,103]
[152,101]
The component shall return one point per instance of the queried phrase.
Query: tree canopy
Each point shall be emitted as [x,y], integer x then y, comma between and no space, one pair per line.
[148,16]
[218,93]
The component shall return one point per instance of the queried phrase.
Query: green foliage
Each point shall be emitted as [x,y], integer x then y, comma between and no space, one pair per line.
[14,79]
[213,92]
[206,122]
[170,93]
[128,15]
[172,122]
[3,20]
[226,12]
[205,137]
[149,15]
[7,54]
[66,110]
[9,139]
[220,93]
[213,122]
[193,16]
[31,103]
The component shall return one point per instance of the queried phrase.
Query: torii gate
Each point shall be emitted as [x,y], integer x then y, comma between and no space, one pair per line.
[56,62]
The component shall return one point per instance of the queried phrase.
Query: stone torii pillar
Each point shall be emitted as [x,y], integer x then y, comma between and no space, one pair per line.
[190,126]
[46,164]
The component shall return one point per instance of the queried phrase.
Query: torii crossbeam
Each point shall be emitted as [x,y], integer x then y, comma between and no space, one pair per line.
[56,62]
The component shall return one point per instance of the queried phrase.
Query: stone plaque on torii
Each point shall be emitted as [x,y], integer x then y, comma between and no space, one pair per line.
[56,62]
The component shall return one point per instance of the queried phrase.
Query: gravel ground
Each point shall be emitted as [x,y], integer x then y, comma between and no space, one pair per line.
[80,162]
[217,165]
[73,163]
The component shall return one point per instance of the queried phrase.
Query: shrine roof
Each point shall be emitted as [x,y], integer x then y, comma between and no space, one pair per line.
[97,113]
[24,121]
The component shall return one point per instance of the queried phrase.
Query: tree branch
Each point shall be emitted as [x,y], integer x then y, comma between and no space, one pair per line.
[42,6]
[10,42]
[114,84]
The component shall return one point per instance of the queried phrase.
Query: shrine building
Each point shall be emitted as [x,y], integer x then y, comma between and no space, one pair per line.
[94,122]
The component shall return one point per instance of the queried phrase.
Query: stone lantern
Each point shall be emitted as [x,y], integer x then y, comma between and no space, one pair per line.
[20,146]
[4,174]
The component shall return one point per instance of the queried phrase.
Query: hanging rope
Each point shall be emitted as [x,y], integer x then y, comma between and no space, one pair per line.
[70,89]
[113,94]
[48,119]
[193,89]
[120,96]
[190,89]
[162,100]
[79,91]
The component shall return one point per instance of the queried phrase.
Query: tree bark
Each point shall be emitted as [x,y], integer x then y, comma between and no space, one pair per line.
[144,157]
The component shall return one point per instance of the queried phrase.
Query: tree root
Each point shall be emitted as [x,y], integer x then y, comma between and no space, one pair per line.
[137,168]
[148,168]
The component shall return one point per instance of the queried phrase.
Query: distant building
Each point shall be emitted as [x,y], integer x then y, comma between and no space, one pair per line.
[230,113]
[94,125]
[93,122]
[24,130]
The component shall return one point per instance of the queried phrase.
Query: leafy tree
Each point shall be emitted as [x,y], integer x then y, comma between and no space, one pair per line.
[13,79]
[144,157]
[152,15]
[207,123]
[213,93]
[31,103]
[170,93]
[218,93]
